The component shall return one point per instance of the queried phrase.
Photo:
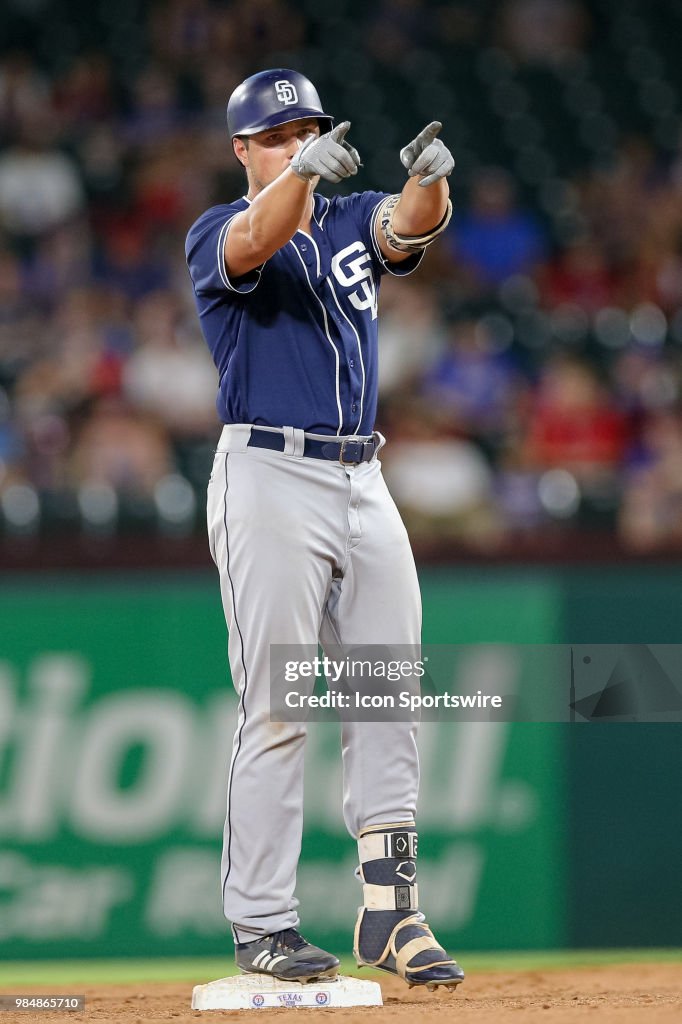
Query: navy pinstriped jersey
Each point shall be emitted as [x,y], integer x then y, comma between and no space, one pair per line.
[295,342]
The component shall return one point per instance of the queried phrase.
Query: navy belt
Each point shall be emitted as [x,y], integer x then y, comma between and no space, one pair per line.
[348,451]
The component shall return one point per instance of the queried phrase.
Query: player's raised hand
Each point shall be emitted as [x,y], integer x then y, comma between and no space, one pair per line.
[428,156]
[328,156]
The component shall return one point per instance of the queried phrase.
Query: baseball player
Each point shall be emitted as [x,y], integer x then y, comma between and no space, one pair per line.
[307,541]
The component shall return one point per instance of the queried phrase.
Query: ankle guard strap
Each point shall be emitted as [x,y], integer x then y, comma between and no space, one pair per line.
[387,866]
[390,897]
[401,845]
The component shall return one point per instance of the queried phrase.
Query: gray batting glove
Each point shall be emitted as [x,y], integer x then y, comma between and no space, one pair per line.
[427,155]
[327,156]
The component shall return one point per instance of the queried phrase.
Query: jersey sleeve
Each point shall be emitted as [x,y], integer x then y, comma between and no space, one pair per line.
[204,249]
[365,206]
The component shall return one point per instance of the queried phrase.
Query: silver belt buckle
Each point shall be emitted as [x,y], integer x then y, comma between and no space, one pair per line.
[359,446]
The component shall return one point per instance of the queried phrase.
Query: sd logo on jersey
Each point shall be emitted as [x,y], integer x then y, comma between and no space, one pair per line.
[349,272]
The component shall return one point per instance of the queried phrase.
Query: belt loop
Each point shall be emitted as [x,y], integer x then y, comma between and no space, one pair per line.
[234,437]
[294,442]
[381,441]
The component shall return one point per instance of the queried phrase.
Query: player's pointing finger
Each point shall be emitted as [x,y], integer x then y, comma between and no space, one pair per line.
[428,134]
[338,133]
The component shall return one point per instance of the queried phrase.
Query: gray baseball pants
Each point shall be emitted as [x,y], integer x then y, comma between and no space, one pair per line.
[307,550]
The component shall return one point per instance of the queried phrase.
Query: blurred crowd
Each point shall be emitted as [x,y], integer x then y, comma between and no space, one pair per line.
[531,371]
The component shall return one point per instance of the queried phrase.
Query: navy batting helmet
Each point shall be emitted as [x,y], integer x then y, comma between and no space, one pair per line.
[271,98]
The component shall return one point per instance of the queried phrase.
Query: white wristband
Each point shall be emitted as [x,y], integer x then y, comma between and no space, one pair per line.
[405,243]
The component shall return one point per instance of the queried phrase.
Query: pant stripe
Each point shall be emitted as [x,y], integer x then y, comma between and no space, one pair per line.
[243,693]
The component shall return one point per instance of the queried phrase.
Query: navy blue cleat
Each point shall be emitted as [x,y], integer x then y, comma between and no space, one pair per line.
[285,955]
[401,943]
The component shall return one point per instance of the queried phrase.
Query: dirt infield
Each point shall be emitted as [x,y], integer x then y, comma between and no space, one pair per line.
[623,994]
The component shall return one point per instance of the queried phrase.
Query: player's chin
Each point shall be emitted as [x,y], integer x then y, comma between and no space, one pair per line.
[267,179]
[282,169]
[313,181]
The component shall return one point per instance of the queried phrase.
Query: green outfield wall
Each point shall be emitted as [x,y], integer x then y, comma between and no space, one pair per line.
[116,718]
